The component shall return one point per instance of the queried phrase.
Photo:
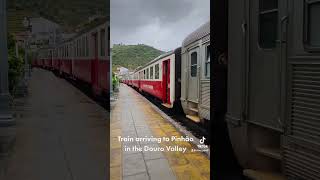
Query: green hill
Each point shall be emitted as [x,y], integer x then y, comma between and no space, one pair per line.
[68,13]
[132,56]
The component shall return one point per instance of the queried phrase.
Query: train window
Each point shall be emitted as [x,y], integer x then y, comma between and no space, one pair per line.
[312,23]
[151,72]
[78,48]
[144,74]
[194,64]
[207,62]
[87,46]
[83,47]
[103,42]
[268,23]
[147,73]
[156,71]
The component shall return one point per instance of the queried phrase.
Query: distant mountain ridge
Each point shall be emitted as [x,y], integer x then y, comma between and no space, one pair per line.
[68,13]
[133,56]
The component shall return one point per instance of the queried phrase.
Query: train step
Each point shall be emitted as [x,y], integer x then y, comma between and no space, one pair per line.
[166,105]
[274,153]
[262,175]
[193,109]
[193,118]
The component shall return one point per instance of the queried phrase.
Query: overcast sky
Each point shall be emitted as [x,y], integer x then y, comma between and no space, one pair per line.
[162,24]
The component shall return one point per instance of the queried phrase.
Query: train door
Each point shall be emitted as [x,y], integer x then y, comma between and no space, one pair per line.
[265,63]
[94,62]
[193,74]
[166,81]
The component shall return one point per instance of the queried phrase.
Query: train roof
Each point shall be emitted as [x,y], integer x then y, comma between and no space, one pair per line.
[158,58]
[88,28]
[201,32]
[92,25]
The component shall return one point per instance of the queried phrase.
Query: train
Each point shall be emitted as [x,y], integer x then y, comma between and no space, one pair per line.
[266,74]
[180,77]
[83,58]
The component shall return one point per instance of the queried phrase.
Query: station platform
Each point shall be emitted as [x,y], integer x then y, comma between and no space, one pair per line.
[61,133]
[132,116]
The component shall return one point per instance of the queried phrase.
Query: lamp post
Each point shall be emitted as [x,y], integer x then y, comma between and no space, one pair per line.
[6,118]
[22,87]
[7,122]
[27,24]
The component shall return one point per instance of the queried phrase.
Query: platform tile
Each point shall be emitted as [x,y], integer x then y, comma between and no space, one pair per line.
[141,176]
[133,164]
[159,169]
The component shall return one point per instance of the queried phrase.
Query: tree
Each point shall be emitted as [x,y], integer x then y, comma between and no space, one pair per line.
[15,63]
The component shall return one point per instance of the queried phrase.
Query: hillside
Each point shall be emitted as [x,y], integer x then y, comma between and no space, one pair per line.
[132,56]
[68,13]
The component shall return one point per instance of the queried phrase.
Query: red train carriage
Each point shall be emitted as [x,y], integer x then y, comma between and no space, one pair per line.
[47,62]
[130,80]
[65,62]
[135,79]
[84,57]
[91,60]
[159,78]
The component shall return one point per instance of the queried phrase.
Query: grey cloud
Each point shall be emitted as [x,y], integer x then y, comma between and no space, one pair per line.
[159,23]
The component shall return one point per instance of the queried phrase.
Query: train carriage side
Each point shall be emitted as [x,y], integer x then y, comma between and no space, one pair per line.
[90,63]
[129,79]
[158,78]
[56,61]
[273,87]
[135,81]
[103,81]
[66,64]
[81,65]
[48,58]
[195,74]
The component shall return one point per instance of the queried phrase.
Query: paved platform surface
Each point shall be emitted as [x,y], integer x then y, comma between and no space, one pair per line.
[133,116]
[61,133]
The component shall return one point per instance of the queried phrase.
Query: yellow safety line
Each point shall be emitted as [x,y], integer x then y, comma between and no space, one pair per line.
[186,166]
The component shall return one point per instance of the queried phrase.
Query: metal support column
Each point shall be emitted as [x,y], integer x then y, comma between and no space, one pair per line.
[7,122]
[5,98]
